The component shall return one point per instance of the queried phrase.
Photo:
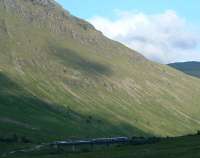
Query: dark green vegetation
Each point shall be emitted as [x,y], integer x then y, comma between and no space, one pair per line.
[190,68]
[181,147]
[60,78]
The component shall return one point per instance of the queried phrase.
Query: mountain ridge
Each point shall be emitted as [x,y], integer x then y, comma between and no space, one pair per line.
[191,68]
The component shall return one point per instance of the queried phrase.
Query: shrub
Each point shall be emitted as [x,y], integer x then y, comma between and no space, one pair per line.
[24,139]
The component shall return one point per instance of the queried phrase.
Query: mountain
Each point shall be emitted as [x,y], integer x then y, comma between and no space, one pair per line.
[191,68]
[61,78]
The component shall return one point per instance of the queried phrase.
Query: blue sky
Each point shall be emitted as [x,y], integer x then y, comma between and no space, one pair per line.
[190,9]
[142,25]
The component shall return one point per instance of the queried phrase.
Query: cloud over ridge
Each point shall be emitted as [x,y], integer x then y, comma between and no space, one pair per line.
[163,38]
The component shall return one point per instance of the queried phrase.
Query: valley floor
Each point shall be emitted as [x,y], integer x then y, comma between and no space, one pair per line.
[181,147]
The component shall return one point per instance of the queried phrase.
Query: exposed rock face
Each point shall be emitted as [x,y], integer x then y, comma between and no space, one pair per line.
[43,2]
[51,15]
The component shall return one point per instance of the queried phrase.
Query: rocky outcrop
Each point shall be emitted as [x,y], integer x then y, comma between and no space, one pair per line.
[44,2]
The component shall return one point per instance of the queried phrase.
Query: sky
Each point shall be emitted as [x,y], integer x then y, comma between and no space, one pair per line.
[164,31]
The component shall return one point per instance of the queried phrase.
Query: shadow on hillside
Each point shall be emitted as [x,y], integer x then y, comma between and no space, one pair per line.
[24,114]
[71,58]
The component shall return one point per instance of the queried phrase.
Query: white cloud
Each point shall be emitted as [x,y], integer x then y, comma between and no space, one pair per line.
[162,37]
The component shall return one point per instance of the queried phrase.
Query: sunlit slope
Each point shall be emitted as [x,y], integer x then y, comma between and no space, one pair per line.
[62,78]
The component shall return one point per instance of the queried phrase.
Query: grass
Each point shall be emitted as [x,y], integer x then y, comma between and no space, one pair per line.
[184,147]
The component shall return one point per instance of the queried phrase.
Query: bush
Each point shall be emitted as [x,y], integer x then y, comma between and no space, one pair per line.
[24,139]
[85,150]
[11,139]
[89,119]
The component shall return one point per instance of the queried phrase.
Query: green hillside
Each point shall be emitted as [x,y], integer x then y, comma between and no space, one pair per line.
[61,78]
[190,68]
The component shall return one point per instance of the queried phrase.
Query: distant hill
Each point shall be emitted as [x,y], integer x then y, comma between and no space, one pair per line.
[61,78]
[190,68]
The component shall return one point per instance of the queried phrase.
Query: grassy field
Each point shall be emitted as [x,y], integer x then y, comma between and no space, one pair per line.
[182,147]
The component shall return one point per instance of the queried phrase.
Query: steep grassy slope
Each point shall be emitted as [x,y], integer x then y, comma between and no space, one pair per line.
[190,68]
[62,78]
